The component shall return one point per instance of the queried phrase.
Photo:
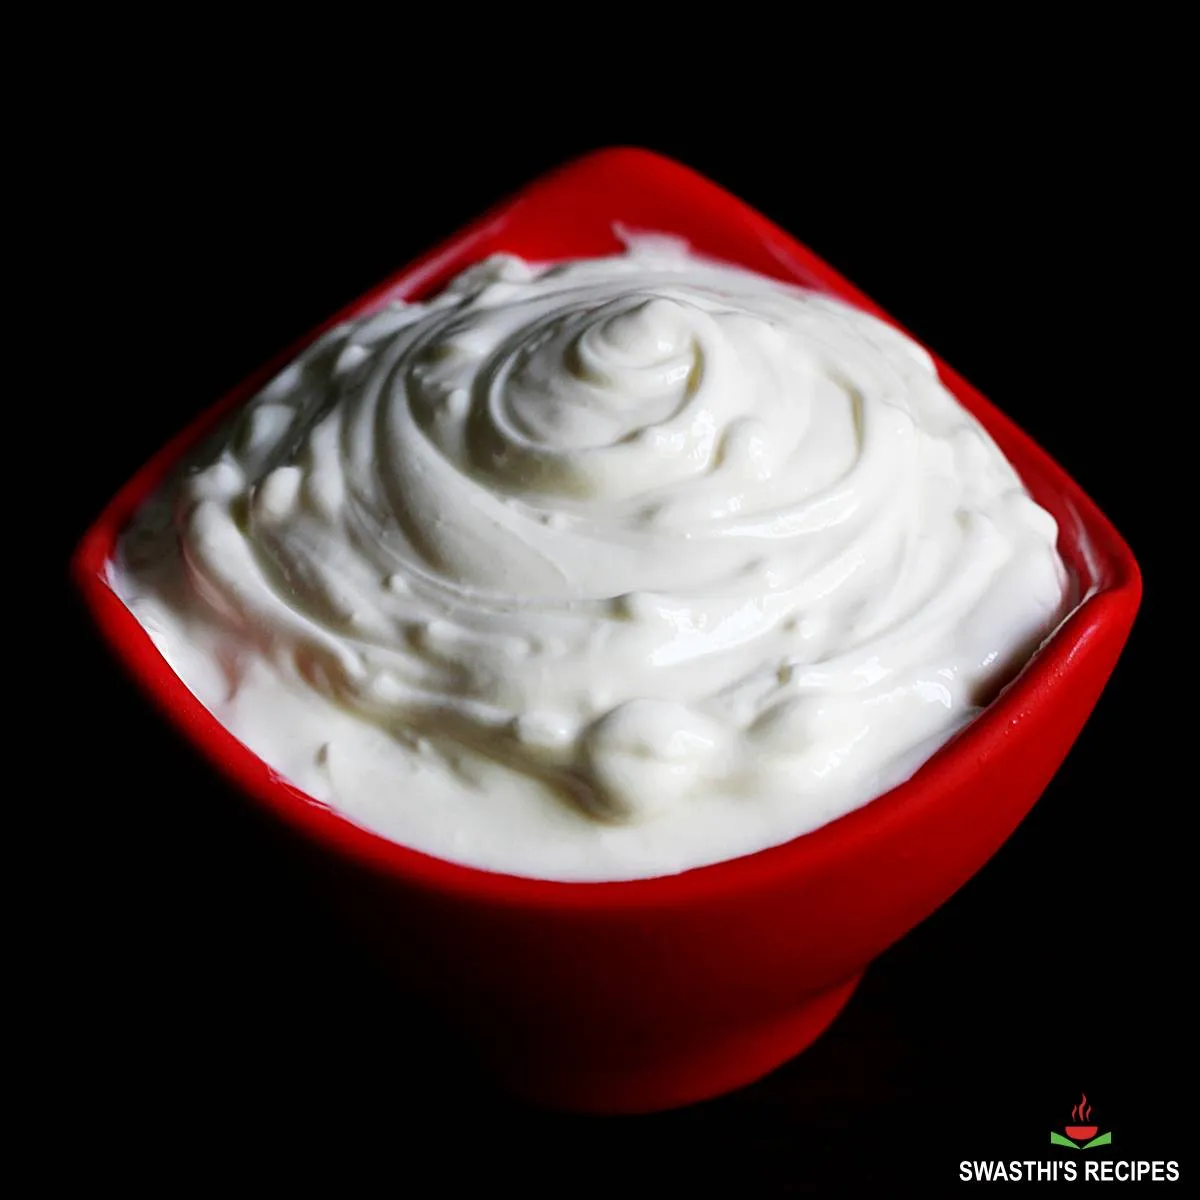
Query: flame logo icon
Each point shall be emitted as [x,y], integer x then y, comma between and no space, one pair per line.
[1081,1135]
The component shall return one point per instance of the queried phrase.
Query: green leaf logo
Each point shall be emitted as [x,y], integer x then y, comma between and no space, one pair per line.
[1081,1136]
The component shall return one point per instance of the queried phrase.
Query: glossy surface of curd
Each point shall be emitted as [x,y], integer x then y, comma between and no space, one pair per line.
[601,570]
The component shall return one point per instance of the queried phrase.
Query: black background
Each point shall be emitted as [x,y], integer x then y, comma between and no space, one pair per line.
[219,1009]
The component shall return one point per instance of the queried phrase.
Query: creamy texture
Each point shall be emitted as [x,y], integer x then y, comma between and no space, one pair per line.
[598,571]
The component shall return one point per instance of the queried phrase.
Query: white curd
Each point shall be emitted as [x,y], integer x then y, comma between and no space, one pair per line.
[599,570]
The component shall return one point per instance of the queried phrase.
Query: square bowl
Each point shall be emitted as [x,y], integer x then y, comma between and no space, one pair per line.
[651,993]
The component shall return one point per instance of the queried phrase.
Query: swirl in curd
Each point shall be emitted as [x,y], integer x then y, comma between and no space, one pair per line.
[598,570]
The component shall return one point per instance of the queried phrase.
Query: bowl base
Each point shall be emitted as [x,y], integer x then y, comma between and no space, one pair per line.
[679,1075]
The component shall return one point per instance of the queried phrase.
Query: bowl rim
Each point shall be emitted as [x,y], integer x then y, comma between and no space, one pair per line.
[1111,601]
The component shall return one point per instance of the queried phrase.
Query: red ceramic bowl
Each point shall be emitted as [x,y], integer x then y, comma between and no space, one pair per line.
[653,993]
[1081,1133]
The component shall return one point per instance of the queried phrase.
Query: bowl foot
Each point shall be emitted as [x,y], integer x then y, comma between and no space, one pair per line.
[675,1074]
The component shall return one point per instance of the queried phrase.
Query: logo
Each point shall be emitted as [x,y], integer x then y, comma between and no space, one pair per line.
[1081,1136]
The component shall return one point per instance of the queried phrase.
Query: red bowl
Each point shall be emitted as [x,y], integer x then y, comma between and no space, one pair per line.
[647,994]
[1081,1133]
